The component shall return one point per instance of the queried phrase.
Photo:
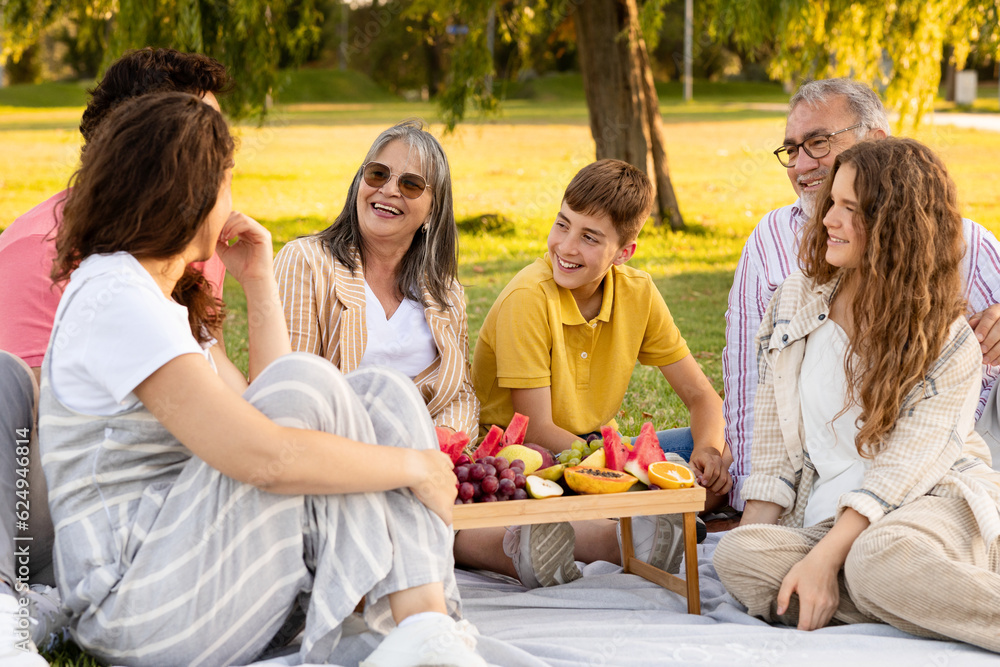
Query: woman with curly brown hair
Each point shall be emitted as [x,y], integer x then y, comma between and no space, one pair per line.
[193,511]
[871,498]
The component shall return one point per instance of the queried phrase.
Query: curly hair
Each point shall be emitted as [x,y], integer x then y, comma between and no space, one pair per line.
[909,285]
[151,70]
[432,258]
[145,186]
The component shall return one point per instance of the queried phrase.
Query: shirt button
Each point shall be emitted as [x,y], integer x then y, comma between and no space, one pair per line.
[593,325]
[822,317]
[583,355]
[784,339]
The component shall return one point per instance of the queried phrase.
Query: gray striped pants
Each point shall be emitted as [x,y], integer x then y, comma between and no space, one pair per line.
[17,418]
[923,568]
[222,563]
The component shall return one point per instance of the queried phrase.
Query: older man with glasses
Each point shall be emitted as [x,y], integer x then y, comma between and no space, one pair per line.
[825,118]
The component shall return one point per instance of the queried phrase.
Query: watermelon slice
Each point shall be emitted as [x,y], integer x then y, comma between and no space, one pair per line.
[645,451]
[452,444]
[491,444]
[615,453]
[443,435]
[514,435]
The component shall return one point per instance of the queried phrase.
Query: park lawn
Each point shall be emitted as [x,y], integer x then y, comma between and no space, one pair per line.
[293,172]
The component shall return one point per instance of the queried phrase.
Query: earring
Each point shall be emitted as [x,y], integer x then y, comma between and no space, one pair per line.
[427,225]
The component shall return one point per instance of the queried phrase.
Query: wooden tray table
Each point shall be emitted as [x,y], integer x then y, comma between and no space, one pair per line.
[606,506]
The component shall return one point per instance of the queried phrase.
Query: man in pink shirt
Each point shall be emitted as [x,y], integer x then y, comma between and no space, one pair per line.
[28,302]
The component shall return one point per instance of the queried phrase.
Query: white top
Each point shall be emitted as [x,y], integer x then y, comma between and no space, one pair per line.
[769,256]
[114,328]
[403,342]
[829,438]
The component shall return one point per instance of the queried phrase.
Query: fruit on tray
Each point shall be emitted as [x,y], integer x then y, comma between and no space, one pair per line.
[496,439]
[532,459]
[597,480]
[645,452]
[578,452]
[551,473]
[615,451]
[547,458]
[489,479]
[542,488]
[518,426]
[490,445]
[669,475]
[452,444]
[595,460]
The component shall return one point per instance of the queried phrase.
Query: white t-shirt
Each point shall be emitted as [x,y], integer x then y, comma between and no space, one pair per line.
[403,342]
[113,329]
[829,439]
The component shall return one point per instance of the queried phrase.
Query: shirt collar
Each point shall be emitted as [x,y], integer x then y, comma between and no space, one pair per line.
[571,311]
[811,313]
[799,217]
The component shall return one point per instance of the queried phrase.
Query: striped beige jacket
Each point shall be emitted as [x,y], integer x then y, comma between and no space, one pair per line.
[325,309]
[932,450]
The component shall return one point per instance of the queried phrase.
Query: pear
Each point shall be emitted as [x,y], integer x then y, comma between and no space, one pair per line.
[552,473]
[542,488]
[595,460]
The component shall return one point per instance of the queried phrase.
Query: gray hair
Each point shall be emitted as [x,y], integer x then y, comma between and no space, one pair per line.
[432,259]
[862,102]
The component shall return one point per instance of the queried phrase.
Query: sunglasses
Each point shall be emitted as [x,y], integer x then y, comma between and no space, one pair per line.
[410,186]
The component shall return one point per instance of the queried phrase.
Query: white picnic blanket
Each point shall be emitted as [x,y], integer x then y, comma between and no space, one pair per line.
[618,620]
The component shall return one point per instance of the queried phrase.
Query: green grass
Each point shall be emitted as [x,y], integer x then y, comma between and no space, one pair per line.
[329,85]
[45,95]
[292,174]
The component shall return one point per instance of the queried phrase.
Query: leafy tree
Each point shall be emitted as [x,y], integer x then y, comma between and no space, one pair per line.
[251,37]
[896,47]
[625,120]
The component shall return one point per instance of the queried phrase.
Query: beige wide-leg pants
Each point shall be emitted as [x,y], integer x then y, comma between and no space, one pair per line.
[924,569]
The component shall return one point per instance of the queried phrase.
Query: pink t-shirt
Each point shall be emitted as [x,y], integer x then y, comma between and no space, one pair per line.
[28,299]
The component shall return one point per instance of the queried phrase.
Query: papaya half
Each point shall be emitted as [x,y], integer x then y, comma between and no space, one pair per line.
[597,480]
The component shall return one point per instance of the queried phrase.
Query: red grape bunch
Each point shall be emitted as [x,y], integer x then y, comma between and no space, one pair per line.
[489,479]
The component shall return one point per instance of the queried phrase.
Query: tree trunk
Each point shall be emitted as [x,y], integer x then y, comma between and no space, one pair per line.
[433,62]
[621,98]
[948,65]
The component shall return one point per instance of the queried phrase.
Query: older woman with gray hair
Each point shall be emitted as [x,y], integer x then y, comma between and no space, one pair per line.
[380,285]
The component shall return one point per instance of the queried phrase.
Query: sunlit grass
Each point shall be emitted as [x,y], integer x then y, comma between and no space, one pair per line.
[292,174]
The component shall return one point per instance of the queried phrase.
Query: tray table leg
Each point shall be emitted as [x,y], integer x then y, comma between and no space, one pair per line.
[691,562]
[628,549]
[688,588]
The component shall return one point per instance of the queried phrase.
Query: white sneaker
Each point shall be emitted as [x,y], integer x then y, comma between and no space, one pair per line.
[48,620]
[542,554]
[657,540]
[16,647]
[439,641]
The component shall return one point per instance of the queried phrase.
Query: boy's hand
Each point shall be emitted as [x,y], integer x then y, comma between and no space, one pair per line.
[711,470]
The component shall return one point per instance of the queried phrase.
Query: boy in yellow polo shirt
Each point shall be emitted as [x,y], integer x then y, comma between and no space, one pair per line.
[559,345]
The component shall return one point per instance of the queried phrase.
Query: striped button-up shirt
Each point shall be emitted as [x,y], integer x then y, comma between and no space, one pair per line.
[769,256]
[933,448]
[325,309]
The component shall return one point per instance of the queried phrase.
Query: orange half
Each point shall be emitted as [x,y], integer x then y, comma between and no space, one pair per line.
[667,475]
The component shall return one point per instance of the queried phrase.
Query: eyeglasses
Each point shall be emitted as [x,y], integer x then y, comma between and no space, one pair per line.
[410,186]
[815,147]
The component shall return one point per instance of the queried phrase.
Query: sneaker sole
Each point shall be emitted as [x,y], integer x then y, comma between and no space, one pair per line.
[549,550]
[668,543]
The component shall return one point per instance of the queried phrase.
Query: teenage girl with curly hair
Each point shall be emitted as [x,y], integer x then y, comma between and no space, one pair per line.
[871,498]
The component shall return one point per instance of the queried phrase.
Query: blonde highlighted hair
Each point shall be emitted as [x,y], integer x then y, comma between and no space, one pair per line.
[908,280]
